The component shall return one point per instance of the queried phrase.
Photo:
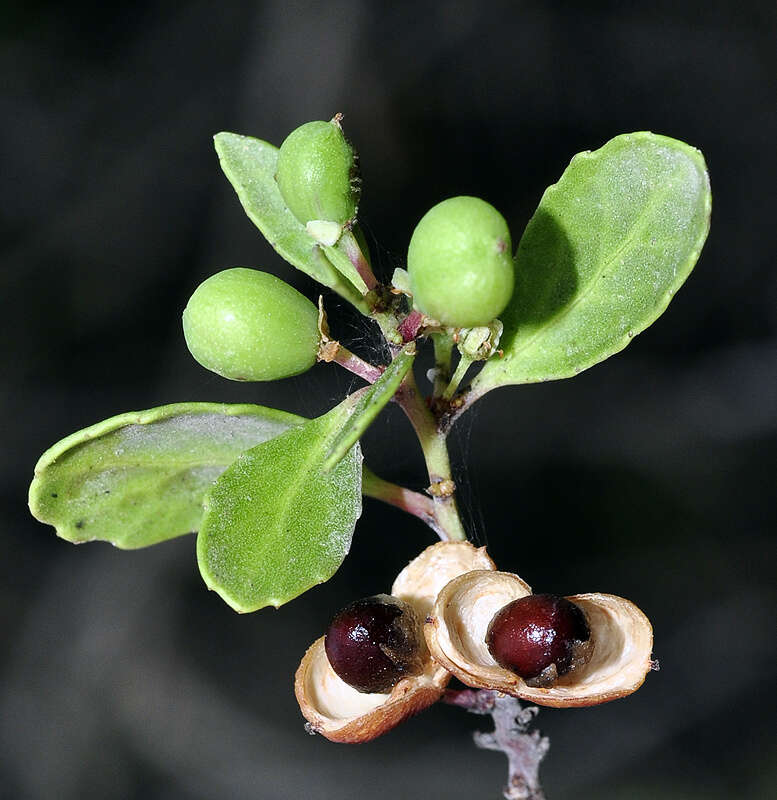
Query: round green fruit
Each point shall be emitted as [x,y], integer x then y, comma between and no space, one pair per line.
[248,325]
[316,173]
[460,263]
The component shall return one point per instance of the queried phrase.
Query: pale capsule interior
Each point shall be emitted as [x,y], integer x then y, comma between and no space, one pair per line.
[331,696]
[464,610]
[421,580]
[473,605]
[623,642]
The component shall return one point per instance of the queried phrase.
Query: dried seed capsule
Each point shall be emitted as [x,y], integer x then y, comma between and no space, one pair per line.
[317,174]
[540,637]
[375,642]
[621,640]
[341,713]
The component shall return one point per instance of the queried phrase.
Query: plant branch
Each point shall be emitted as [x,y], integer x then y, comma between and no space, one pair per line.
[414,503]
[435,450]
[524,750]
[445,519]
[459,404]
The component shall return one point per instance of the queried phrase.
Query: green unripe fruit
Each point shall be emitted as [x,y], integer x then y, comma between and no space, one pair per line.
[316,173]
[460,263]
[248,325]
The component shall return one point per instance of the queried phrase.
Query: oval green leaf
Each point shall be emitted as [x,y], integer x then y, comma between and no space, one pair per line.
[601,258]
[250,165]
[139,478]
[276,522]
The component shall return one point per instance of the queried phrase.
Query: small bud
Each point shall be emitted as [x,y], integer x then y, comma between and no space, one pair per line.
[478,344]
[400,280]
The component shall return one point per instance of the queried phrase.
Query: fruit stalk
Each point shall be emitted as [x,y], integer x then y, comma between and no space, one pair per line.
[353,363]
[458,376]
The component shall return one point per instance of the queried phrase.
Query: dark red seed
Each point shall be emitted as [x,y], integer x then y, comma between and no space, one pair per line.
[375,642]
[539,637]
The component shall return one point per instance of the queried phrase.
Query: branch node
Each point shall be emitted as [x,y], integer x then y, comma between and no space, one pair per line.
[442,489]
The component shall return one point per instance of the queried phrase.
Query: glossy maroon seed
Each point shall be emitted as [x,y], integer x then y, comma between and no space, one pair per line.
[375,642]
[541,633]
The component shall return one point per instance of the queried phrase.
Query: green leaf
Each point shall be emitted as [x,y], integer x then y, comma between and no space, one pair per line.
[250,165]
[139,478]
[343,265]
[276,523]
[368,404]
[601,258]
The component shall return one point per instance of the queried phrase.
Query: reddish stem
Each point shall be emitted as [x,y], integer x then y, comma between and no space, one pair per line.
[414,503]
[352,362]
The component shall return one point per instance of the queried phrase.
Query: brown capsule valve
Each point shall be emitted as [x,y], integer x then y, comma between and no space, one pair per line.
[612,662]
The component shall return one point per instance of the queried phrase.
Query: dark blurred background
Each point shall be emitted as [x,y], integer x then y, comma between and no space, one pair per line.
[651,476]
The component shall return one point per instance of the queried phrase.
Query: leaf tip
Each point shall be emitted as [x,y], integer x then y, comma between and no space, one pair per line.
[222,135]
